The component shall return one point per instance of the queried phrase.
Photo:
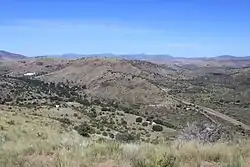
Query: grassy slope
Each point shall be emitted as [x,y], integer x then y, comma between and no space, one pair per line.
[33,141]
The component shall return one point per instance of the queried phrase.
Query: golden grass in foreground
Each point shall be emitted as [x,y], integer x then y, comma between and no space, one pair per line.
[40,142]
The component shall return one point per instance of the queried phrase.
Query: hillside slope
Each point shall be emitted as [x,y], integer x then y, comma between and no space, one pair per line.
[33,65]
[110,78]
[101,89]
[34,141]
[7,56]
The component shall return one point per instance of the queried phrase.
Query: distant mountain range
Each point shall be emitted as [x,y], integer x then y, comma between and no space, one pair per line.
[229,57]
[4,55]
[148,57]
[10,56]
[121,56]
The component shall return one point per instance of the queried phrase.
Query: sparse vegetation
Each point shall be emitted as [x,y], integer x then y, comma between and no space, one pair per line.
[126,109]
[43,143]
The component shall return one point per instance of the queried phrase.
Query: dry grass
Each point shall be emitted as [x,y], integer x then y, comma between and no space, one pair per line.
[38,142]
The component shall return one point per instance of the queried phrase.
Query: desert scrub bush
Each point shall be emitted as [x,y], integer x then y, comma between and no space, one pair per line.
[165,160]
[138,119]
[141,129]
[169,125]
[84,130]
[157,128]
[92,109]
[75,114]
[64,120]
[125,137]
[111,135]
[158,121]
[145,124]
[104,133]
[112,109]
[123,122]
[105,109]
[102,128]
[11,122]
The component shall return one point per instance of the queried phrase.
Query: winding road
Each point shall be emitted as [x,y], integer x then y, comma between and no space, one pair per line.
[212,112]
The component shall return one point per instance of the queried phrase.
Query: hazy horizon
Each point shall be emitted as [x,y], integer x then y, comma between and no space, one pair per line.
[178,28]
[110,54]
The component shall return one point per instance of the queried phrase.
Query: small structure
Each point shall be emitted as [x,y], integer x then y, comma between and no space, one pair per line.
[29,74]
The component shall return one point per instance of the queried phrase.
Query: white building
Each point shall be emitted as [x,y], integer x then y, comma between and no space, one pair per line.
[29,74]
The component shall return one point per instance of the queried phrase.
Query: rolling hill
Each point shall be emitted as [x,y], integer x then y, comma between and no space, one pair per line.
[109,78]
[127,95]
[8,56]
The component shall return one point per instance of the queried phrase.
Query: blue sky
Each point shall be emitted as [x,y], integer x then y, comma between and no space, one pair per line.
[189,28]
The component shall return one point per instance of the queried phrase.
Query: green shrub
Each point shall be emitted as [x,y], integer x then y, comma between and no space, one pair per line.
[142,129]
[64,120]
[92,109]
[105,109]
[138,119]
[104,133]
[111,135]
[157,128]
[124,122]
[125,137]
[169,125]
[158,121]
[145,124]
[85,130]
[11,122]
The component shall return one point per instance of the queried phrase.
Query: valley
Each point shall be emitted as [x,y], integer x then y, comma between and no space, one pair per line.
[124,101]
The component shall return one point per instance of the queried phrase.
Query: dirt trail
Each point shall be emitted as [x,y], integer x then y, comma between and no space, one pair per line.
[213,112]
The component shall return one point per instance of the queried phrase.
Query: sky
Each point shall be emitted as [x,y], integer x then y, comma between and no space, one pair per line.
[186,28]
